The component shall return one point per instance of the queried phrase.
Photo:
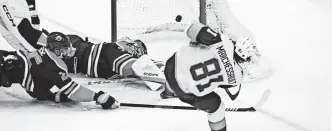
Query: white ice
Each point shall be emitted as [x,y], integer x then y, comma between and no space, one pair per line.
[295,35]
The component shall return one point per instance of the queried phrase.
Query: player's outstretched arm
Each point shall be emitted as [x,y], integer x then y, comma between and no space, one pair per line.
[69,89]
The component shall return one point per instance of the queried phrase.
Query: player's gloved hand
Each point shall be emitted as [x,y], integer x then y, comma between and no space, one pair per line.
[207,36]
[245,47]
[105,100]
[202,34]
[7,62]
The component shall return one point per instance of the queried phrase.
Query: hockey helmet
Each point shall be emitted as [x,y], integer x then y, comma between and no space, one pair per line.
[59,43]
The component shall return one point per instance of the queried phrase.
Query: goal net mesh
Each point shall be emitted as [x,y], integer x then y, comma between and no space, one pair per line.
[148,16]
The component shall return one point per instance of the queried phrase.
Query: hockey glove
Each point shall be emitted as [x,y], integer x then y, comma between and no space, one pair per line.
[105,100]
[197,32]
[7,63]
[207,36]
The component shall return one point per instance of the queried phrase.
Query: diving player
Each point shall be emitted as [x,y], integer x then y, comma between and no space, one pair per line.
[38,71]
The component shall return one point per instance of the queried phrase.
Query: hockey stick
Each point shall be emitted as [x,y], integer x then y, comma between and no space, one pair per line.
[250,109]
[129,79]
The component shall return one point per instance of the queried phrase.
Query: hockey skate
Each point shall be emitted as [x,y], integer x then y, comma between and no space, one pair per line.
[167,94]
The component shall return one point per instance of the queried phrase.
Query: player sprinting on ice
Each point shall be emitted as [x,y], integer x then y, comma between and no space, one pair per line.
[38,71]
[195,70]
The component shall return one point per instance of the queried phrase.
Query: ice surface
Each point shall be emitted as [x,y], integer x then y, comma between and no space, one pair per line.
[293,34]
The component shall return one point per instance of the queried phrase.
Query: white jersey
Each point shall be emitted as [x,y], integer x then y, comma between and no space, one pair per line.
[198,70]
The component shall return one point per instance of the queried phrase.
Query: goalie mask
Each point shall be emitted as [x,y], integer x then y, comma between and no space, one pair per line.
[136,48]
[59,44]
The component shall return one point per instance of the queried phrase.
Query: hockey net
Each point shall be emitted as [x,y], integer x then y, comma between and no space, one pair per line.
[136,17]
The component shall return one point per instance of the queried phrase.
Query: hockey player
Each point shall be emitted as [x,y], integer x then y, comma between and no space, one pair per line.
[95,60]
[106,60]
[195,70]
[38,71]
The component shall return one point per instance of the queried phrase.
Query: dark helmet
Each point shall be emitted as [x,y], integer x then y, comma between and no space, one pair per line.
[58,43]
[57,40]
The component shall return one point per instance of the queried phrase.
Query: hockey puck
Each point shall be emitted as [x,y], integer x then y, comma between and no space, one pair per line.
[178,18]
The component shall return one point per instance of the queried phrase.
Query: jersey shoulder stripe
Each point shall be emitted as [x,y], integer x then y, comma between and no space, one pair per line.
[27,82]
[59,62]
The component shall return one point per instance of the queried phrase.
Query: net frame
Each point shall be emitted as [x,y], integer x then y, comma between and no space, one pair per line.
[215,13]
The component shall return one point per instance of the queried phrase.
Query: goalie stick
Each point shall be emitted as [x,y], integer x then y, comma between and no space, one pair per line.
[250,109]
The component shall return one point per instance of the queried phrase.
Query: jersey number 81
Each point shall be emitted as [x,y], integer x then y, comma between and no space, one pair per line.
[206,72]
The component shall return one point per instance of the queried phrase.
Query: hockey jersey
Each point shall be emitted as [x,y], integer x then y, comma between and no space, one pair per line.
[97,60]
[39,71]
[198,69]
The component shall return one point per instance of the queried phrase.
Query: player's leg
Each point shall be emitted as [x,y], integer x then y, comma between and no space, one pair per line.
[212,104]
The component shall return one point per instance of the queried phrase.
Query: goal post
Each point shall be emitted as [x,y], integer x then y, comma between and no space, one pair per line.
[114,21]
[137,17]
[133,17]
[110,20]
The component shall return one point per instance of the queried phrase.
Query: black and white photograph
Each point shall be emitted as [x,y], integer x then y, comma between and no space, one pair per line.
[165,65]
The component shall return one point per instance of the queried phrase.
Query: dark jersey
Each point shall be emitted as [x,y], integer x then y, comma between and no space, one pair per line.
[42,70]
[97,60]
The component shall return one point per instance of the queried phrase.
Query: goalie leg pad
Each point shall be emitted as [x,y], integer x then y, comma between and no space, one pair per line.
[145,68]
